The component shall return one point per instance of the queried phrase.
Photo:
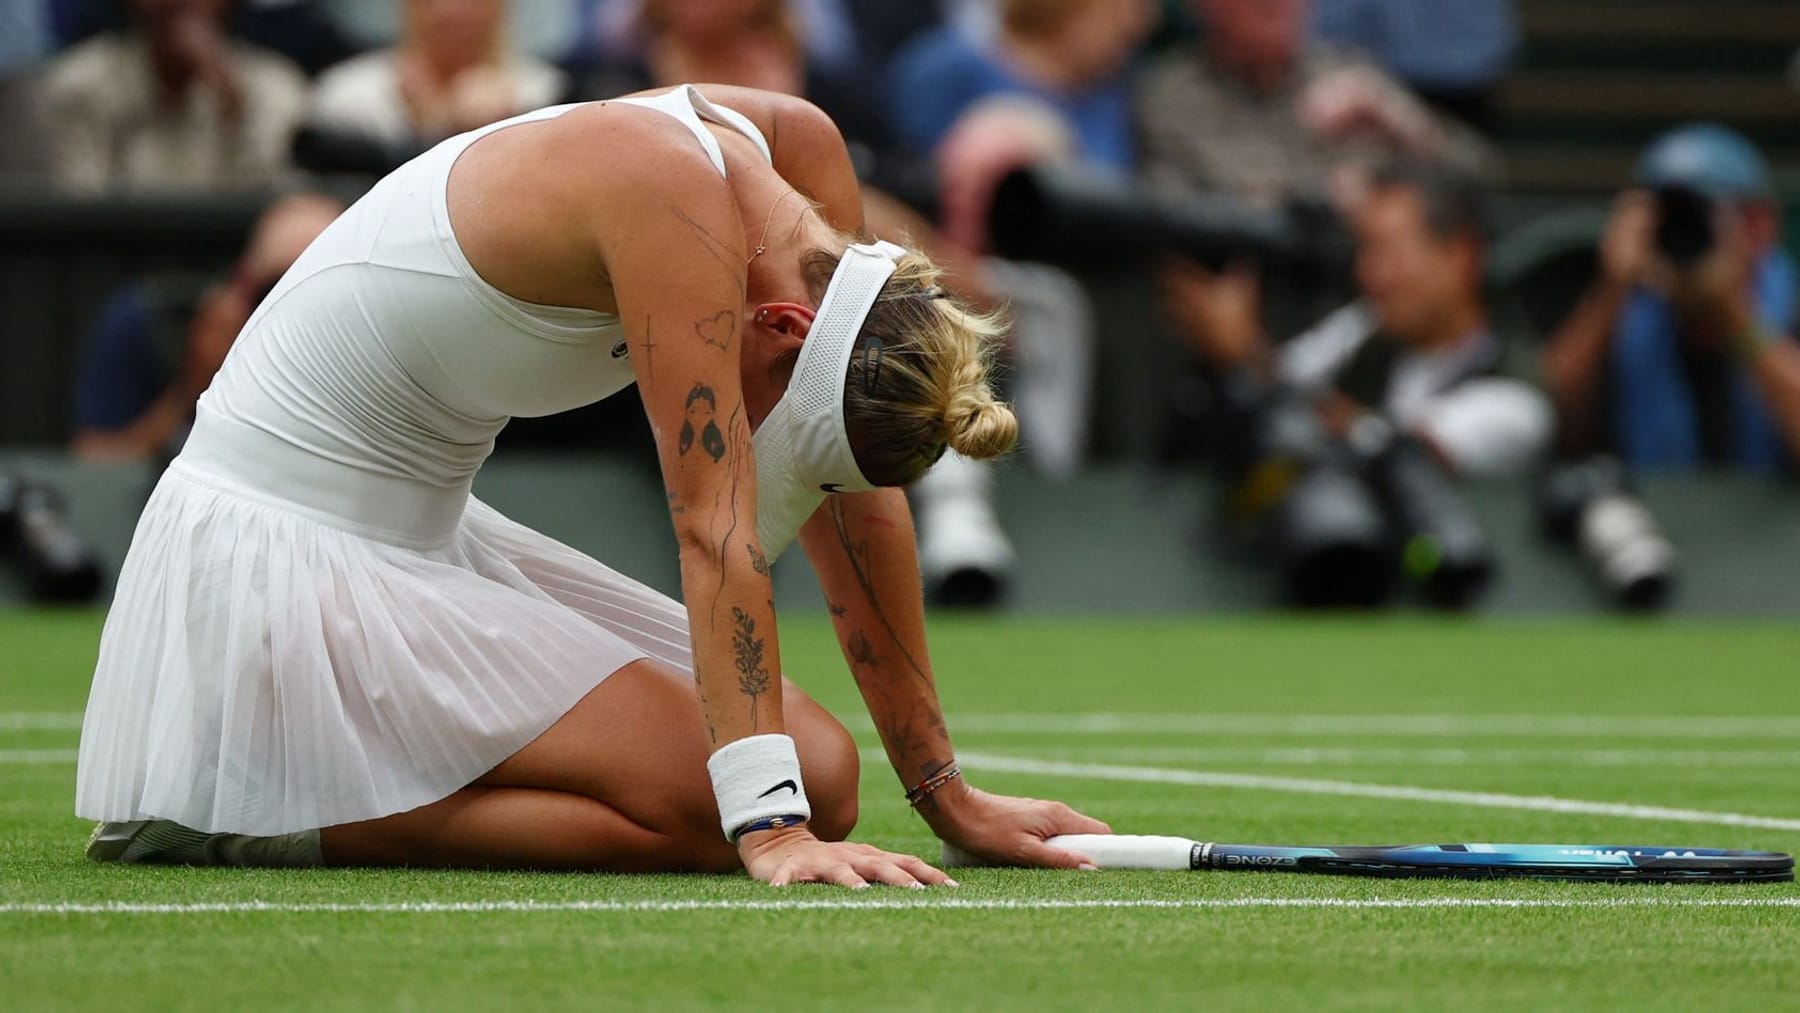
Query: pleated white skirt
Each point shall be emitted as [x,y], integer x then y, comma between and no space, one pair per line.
[270,666]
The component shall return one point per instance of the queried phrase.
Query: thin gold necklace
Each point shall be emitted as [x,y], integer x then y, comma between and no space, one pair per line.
[762,245]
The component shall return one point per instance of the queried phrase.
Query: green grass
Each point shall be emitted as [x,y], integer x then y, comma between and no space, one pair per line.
[1390,702]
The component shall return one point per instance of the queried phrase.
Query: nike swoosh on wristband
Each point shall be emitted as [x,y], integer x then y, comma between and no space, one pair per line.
[789,785]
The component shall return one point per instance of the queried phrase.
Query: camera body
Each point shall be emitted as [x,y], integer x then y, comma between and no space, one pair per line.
[1684,224]
[1347,521]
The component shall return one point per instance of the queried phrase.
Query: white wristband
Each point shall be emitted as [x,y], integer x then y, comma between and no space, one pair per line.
[756,778]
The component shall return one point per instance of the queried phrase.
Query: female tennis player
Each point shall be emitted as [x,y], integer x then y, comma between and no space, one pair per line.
[323,650]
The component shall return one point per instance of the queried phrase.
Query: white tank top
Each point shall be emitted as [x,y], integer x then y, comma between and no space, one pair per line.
[382,350]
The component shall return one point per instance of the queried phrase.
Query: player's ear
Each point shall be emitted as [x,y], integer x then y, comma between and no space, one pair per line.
[789,320]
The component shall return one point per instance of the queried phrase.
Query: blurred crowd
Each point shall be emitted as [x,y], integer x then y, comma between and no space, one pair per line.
[1378,115]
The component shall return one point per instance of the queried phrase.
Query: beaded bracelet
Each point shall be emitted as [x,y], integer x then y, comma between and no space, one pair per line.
[768,823]
[919,793]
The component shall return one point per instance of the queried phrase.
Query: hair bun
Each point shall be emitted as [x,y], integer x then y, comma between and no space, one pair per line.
[980,427]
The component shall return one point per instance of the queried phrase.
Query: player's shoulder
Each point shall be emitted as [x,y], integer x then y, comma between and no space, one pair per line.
[631,143]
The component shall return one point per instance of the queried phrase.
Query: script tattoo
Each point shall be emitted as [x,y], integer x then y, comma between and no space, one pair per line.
[747,648]
[701,423]
[675,507]
[758,561]
[739,433]
[717,329]
[730,257]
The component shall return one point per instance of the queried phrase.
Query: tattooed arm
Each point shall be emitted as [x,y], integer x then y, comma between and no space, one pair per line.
[677,264]
[806,148]
[863,549]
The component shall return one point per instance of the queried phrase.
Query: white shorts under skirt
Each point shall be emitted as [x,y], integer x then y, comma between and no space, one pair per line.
[263,671]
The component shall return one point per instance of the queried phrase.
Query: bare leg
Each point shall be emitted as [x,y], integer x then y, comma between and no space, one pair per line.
[619,783]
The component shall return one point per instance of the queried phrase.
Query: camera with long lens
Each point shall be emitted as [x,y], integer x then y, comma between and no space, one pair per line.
[36,538]
[1086,220]
[1347,522]
[1590,506]
[1684,224]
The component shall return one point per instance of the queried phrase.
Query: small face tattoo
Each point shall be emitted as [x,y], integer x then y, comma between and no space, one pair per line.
[701,423]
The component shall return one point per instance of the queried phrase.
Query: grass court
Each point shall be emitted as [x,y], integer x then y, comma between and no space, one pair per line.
[1263,730]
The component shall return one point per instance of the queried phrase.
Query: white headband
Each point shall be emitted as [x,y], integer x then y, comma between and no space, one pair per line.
[803,448]
[815,395]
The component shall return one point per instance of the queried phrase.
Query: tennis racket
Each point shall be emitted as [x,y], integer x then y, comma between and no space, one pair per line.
[1598,862]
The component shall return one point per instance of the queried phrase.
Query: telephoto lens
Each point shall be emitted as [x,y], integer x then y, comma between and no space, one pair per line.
[36,537]
[1590,505]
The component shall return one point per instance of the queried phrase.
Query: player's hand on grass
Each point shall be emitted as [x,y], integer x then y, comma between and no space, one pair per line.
[794,855]
[1006,830]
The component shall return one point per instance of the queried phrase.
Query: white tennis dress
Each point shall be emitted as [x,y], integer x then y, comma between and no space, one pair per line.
[316,623]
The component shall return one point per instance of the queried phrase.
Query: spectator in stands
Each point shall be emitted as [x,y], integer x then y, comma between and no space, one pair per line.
[452,71]
[1416,346]
[1451,53]
[1679,355]
[615,31]
[755,44]
[158,341]
[172,102]
[964,554]
[1253,110]
[1070,54]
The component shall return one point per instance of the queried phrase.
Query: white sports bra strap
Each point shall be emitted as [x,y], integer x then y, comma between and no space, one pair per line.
[685,103]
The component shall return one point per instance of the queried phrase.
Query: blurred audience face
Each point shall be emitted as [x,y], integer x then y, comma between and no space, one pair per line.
[1098,40]
[711,22]
[456,33]
[1092,39]
[1419,284]
[152,15]
[1263,37]
[182,34]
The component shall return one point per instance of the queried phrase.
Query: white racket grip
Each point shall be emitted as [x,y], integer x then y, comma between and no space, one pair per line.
[1109,851]
[1130,851]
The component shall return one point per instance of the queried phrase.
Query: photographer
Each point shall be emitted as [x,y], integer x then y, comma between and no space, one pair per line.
[1678,356]
[1416,347]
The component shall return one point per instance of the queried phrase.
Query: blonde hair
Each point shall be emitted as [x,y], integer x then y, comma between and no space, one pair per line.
[918,376]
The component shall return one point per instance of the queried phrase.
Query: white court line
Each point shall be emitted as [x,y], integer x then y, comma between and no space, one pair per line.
[40,721]
[1424,756]
[34,757]
[1313,786]
[847,904]
[1407,725]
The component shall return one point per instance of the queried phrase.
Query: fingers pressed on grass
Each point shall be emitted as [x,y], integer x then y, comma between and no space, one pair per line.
[844,875]
[892,874]
[924,872]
